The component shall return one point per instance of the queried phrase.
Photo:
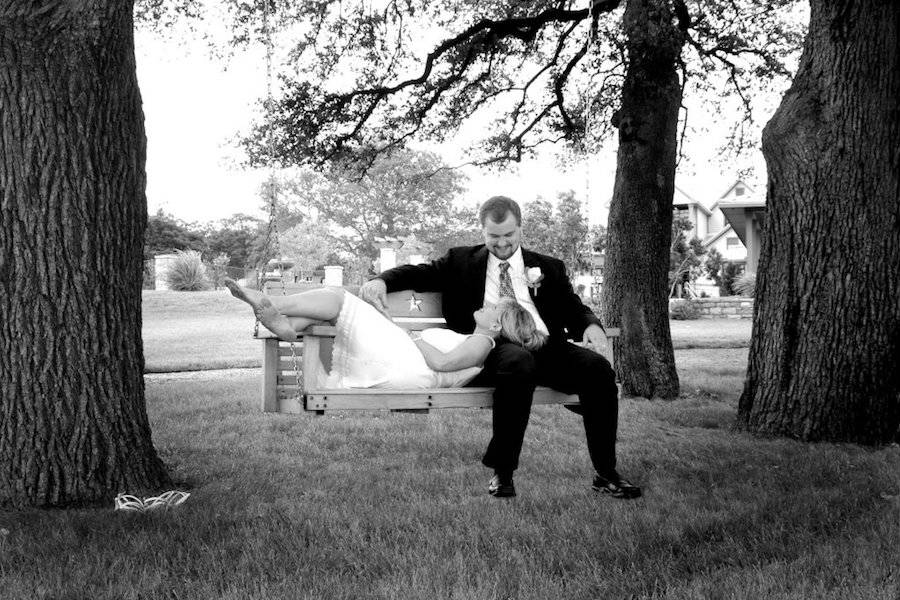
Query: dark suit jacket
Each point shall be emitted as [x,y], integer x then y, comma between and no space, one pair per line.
[460,276]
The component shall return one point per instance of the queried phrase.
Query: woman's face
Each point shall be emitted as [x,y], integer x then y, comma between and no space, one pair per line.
[487,317]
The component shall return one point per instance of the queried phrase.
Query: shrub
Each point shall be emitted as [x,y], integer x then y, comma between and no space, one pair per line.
[186,272]
[683,310]
[746,284]
[730,273]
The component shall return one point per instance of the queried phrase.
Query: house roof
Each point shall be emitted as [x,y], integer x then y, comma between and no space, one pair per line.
[680,197]
[714,237]
[718,203]
[734,185]
[742,203]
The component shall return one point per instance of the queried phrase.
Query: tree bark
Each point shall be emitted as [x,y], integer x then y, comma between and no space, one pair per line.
[635,291]
[73,422]
[825,349]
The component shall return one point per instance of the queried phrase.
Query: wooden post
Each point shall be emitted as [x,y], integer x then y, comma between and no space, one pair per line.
[270,375]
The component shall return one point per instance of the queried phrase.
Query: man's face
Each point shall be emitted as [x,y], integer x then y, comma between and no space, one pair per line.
[502,239]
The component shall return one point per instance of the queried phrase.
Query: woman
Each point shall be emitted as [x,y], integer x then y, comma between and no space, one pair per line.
[371,351]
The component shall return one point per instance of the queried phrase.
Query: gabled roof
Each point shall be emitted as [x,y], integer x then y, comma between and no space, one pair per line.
[682,197]
[728,191]
[734,185]
[680,192]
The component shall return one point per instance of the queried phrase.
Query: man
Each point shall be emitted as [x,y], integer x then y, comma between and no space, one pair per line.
[471,277]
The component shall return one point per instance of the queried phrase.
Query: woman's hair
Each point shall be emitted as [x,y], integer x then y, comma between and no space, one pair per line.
[518,326]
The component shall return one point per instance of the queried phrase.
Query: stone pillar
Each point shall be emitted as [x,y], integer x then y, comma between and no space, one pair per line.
[334,276]
[387,249]
[161,264]
[387,258]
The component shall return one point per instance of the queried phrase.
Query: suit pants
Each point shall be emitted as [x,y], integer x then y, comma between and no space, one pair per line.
[514,372]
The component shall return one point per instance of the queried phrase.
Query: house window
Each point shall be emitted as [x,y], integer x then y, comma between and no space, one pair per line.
[739,190]
[732,242]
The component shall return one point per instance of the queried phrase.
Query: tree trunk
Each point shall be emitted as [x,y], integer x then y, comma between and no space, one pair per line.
[635,291]
[73,422]
[826,331]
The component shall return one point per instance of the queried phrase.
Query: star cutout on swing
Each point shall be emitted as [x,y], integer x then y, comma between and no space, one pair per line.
[415,303]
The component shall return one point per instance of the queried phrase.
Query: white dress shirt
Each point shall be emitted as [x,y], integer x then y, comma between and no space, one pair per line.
[519,283]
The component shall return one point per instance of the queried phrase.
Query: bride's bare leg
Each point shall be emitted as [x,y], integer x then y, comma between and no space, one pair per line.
[286,315]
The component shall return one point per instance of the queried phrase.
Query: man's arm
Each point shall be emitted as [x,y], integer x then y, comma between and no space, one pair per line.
[576,315]
[428,277]
[422,278]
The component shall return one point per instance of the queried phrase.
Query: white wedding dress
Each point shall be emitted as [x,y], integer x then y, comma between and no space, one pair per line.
[370,351]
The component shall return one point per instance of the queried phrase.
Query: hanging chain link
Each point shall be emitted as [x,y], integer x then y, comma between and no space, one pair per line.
[272,245]
[588,140]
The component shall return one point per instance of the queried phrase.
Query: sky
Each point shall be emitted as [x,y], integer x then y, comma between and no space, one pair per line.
[196,105]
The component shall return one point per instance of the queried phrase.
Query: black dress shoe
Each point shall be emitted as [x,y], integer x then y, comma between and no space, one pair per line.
[615,486]
[501,487]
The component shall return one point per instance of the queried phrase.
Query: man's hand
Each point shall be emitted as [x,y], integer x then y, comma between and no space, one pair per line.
[374,292]
[595,339]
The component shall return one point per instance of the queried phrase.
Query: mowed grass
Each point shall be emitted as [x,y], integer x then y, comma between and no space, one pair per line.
[394,506]
[188,331]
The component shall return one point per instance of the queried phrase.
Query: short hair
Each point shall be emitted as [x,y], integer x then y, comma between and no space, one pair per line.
[497,207]
[518,326]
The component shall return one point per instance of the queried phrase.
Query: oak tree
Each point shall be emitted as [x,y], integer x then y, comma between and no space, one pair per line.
[73,421]
[826,329]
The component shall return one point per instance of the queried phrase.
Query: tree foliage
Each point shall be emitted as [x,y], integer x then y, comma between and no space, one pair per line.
[572,244]
[686,256]
[165,234]
[723,272]
[239,237]
[541,71]
[406,193]
[309,244]
[537,226]
[561,231]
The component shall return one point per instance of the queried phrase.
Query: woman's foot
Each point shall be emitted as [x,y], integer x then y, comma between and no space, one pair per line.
[267,314]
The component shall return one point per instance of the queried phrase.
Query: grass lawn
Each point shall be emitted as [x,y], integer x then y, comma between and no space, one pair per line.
[187,331]
[394,506]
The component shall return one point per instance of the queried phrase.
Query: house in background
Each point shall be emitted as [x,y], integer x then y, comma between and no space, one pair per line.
[731,224]
[745,213]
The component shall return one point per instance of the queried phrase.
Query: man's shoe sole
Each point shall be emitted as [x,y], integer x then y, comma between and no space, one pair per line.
[502,491]
[621,494]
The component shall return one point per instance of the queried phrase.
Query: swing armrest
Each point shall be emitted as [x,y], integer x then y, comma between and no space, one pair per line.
[297,369]
[314,330]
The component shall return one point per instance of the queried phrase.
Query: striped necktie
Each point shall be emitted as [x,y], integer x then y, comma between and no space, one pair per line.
[506,288]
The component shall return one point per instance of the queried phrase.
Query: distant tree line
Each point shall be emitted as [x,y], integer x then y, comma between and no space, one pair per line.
[324,217]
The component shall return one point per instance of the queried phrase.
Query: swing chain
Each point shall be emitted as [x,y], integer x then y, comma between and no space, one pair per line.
[272,245]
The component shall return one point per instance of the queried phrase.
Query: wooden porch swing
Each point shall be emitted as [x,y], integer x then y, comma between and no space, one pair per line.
[294,372]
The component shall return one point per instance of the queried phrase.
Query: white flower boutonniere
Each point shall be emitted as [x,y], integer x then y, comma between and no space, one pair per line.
[533,277]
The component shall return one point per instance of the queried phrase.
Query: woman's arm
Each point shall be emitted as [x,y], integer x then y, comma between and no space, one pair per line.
[470,353]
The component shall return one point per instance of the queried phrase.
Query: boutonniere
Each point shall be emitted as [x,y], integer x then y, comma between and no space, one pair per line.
[533,278]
